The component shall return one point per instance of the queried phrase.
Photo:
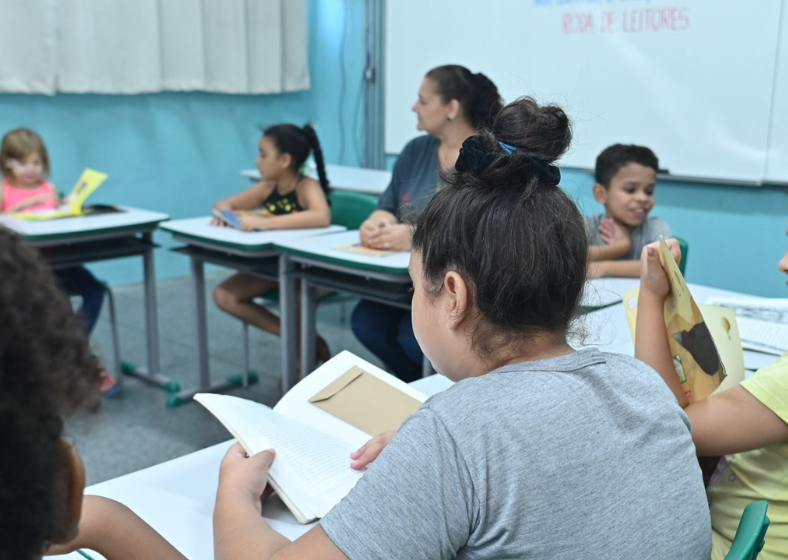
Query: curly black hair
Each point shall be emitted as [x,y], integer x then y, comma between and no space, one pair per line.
[47,372]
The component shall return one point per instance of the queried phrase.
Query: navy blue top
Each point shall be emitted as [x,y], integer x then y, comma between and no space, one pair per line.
[414,178]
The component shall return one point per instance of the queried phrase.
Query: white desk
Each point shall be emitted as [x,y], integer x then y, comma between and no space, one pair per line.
[79,240]
[317,264]
[250,252]
[608,329]
[345,178]
[177,497]
[601,292]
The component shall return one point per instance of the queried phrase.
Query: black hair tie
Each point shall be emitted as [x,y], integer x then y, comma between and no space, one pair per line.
[475,157]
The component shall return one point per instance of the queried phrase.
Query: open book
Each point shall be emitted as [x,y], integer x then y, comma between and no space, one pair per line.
[704,340]
[232,218]
[763,322]
[74,203]
[315,426]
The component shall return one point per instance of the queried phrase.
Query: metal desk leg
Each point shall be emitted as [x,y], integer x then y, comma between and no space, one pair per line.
[308,326]
[287,312]
[151,374]
[201,344]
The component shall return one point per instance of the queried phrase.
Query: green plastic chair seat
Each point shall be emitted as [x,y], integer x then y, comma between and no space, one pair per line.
[684,246]
[751,533]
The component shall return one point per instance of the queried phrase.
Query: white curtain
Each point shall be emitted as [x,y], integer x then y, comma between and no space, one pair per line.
[27,44]
[142,46]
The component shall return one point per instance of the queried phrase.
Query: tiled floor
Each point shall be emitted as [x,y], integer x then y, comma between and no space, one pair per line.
[136,430]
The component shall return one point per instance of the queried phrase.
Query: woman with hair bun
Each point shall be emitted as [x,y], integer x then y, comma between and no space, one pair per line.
[538,451]
[453,103]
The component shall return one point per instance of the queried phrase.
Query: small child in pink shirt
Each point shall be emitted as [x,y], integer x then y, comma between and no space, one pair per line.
[25,166]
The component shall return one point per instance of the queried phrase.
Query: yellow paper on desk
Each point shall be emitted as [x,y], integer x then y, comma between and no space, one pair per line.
[365,402]
[361,250]
[694,341]
[89,181]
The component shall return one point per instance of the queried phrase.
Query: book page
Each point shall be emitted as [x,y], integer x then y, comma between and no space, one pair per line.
[295,404]
[311,467]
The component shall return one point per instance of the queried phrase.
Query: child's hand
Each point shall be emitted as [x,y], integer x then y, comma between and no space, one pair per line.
[247,476]
[653,277]
[614,233]
[254,223]
[370,450]
[392,237]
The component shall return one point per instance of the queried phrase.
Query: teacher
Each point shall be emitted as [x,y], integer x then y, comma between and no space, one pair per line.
[453,103]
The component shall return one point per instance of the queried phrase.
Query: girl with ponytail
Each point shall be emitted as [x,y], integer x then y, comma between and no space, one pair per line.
[293,200]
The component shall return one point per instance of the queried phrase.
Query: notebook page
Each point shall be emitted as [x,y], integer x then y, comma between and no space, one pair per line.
[308,462]
[766,337]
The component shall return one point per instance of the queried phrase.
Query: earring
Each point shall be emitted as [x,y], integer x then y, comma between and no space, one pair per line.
[449,119]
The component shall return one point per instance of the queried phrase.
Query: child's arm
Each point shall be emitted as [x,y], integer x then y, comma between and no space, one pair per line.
[651,334]
[316,212]
[240,531]
[730,422]
[246,200]
[617,238]
[116,532]
[624,269]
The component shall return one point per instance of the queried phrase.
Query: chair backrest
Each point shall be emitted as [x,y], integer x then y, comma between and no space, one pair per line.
[751,534]
[684,246]
[350,209]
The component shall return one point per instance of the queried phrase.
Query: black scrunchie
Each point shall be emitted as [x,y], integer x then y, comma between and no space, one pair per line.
[475,158]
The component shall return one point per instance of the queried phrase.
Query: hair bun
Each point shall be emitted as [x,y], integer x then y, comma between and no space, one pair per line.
[543,131]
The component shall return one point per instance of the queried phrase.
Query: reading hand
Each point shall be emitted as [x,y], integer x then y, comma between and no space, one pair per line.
[653,277]
[246,475]
[370,450]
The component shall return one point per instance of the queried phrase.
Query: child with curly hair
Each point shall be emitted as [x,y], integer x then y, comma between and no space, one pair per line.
[47,372]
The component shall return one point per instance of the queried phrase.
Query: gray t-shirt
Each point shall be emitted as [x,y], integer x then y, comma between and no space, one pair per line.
[647,232]
[583,456]
[413,179]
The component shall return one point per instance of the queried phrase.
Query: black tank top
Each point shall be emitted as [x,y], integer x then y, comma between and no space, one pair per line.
[279,204]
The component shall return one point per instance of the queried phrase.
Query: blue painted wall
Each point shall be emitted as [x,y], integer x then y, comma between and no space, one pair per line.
[179,152]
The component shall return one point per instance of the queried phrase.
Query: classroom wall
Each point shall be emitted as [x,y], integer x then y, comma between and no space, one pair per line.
[179,152]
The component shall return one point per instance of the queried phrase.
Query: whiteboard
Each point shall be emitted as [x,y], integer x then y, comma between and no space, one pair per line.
[693,79]
[777,161]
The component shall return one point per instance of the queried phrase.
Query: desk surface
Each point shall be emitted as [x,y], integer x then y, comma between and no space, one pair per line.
[199,229]
[177,497]
[608,329]
[601,292]
[343,177]
[322,249]
[85,226]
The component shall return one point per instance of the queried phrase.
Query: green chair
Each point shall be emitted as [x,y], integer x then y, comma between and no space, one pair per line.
[684,246]
[348,209]
[751,534]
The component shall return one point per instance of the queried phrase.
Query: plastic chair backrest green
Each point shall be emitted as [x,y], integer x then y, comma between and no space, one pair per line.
[751,534]
[684,246]
[350,209]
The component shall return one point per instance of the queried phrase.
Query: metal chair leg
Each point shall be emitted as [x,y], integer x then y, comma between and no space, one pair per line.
[113,320]
[246,355]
